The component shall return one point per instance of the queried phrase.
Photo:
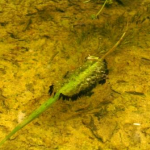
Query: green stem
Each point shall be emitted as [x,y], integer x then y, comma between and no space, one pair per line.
[101,8]
[32,116]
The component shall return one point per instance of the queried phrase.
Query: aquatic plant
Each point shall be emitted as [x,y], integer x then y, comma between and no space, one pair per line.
[93,71]
[106,2]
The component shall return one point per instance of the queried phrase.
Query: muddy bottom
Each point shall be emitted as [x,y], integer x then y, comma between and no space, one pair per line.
[41,42]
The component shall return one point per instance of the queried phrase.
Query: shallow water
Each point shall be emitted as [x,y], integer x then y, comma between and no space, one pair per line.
[41,41]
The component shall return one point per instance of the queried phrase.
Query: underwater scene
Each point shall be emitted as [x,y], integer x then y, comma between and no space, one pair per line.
[74,74]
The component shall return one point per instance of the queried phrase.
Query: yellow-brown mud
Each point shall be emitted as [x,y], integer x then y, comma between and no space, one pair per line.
[42,40]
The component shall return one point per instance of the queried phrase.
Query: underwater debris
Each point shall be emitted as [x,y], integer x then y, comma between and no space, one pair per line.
[106,2]
[135,93]
[89,74]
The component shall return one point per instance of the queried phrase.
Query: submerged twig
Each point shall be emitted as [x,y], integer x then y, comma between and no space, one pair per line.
[118,42]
